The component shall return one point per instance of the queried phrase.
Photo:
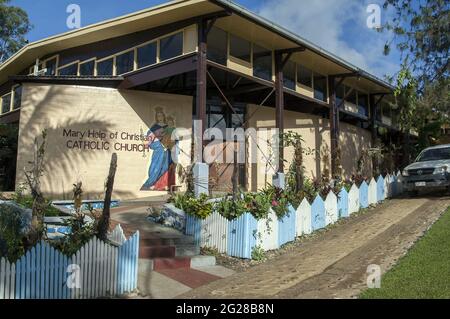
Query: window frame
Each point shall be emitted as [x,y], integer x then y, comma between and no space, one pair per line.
[133,49]
[67,65]
[143,45]
[13,96]
[113,57]
[84,62]
[272,64]
[10,93]
[182,31]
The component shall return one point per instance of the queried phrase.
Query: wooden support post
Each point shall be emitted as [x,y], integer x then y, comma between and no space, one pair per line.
[279,103]
[334,128]
[202,78]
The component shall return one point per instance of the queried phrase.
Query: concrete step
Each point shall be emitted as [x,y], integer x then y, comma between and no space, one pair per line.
[151,252]
[187,250]
[171,263]
[168,241]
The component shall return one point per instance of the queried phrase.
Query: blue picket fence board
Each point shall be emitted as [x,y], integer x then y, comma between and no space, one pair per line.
[242,236]
[194,228]
[286,227]
[127,265]
[380,189]
[318,214]
[343,204]
[364,195]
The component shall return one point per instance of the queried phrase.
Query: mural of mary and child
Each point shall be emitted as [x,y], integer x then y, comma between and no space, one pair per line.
[161,173]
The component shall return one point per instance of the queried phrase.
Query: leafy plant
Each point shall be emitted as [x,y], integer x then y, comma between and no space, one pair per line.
[197,207]
[26,201]
[258,253]
[11,238]
[279,200]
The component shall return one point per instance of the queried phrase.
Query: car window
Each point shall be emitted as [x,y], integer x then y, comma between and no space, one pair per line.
[434,155]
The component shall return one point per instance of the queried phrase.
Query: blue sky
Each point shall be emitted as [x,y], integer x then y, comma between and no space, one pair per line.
[338,26]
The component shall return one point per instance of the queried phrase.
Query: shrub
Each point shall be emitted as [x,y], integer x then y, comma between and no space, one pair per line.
[258,253]
[27,201]
[279,200]
[197,207]
[12,222]
[231,209]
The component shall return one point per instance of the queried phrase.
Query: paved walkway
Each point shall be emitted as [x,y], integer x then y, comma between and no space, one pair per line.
[334,264]
[164,283]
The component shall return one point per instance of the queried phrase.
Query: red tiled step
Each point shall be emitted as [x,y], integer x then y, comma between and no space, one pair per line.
[150,252]
[189,277]
[171,263]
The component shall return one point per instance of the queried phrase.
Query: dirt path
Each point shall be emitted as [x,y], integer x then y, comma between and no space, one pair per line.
[334,265]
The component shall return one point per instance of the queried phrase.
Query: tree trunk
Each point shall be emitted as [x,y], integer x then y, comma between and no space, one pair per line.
[105,219]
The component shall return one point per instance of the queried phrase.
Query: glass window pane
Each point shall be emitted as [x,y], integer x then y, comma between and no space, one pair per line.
[105,68]
[340,94]
[217,46]
[289,75]
[87,68]
[17,97]
[352,97]
[171,46]
[304,76]
[320,87]
[146,55]
[69,70]
[262,63]
[6,103]
[125,62]
[240,48]
[50,65]
[363,102]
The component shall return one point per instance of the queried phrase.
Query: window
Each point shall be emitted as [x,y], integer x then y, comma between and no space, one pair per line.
[221,117]
[87,68]
[125,62]
[105,67]
[6,103]
[17,97]
[320,87]
[146,55]
[289,75]
[69,70]
[171,46]
[363,103]
[240,48]
[217,46]
[304,76]
[340,94]
[352,97]
[262,63]
[50,65]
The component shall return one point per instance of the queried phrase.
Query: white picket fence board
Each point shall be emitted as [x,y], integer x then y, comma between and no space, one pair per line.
[7,279]
[117,236]
[304,218]
[42,273]
[353,200]
[372,192]
[215,232]
[331,209]
[267,232]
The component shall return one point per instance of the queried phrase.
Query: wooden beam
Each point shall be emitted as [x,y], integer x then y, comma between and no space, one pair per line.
[279,104]
[202,79]
[290,50]
[334,127]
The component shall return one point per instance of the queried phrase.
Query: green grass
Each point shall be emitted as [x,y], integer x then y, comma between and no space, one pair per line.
[424,273]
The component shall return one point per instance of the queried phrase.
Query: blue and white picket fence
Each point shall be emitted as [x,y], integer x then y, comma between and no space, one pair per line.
[98,269]
[239,237]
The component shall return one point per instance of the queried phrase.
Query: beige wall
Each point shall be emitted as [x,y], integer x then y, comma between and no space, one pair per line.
[316,135]
[80,109]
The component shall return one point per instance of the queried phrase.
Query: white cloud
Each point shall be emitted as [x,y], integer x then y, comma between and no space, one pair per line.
[337,26]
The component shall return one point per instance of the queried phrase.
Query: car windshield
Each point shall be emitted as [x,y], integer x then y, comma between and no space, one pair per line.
[434,155]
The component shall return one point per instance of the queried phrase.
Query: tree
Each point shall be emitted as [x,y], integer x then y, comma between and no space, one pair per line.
[14,25]
[422,32]
[109,185]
